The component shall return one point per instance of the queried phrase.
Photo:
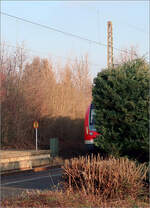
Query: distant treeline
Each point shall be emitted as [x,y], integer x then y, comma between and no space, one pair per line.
[35,90]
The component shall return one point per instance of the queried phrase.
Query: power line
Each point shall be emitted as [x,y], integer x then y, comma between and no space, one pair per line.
[63,57]
[121,22]
[54,29]
[62,32]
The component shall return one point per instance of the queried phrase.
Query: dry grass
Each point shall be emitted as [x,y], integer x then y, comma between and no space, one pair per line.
[109,179]
[67,199]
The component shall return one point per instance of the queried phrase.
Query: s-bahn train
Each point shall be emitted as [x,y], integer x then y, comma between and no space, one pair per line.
[89,128]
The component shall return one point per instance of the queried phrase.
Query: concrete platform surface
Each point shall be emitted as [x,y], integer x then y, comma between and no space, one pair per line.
[23,160]
[5,154]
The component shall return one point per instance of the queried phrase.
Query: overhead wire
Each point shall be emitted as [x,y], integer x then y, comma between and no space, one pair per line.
[121,22]
[63,32]
[54,29]
[63,57]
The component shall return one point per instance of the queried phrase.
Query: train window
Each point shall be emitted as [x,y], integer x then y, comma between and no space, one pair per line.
[92,122]
[92,116]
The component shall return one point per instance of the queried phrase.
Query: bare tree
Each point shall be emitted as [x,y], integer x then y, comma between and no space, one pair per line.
[82,77]
[127,55]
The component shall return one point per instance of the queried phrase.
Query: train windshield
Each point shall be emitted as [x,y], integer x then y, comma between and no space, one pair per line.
[92,120]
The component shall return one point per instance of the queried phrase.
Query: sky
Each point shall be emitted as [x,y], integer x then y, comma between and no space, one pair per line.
[87,19]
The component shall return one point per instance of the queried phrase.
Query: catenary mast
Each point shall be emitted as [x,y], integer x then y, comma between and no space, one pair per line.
[109,44]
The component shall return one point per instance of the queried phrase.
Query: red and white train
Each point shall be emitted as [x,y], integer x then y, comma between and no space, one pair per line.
[89,128]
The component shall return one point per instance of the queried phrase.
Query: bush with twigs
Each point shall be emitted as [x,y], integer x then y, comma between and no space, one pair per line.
[109,179]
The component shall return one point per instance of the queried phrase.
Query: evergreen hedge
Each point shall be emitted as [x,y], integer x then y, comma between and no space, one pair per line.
[121,100]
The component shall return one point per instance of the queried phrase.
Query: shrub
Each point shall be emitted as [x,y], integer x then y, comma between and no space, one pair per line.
[108,179]
[121,99]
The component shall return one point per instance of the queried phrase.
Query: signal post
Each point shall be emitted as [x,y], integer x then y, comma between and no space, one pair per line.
[36,126]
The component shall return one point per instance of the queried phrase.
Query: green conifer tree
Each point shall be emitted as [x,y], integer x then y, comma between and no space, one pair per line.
[121,100]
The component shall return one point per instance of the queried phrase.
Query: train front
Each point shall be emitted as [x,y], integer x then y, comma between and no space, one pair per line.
[89,128]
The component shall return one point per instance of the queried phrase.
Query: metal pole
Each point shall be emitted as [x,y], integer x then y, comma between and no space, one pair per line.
[109,45]
[36,140]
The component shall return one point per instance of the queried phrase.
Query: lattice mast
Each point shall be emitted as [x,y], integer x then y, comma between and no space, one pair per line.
[109,44]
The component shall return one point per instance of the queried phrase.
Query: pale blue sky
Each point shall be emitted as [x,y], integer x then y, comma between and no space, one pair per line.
[88,19]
